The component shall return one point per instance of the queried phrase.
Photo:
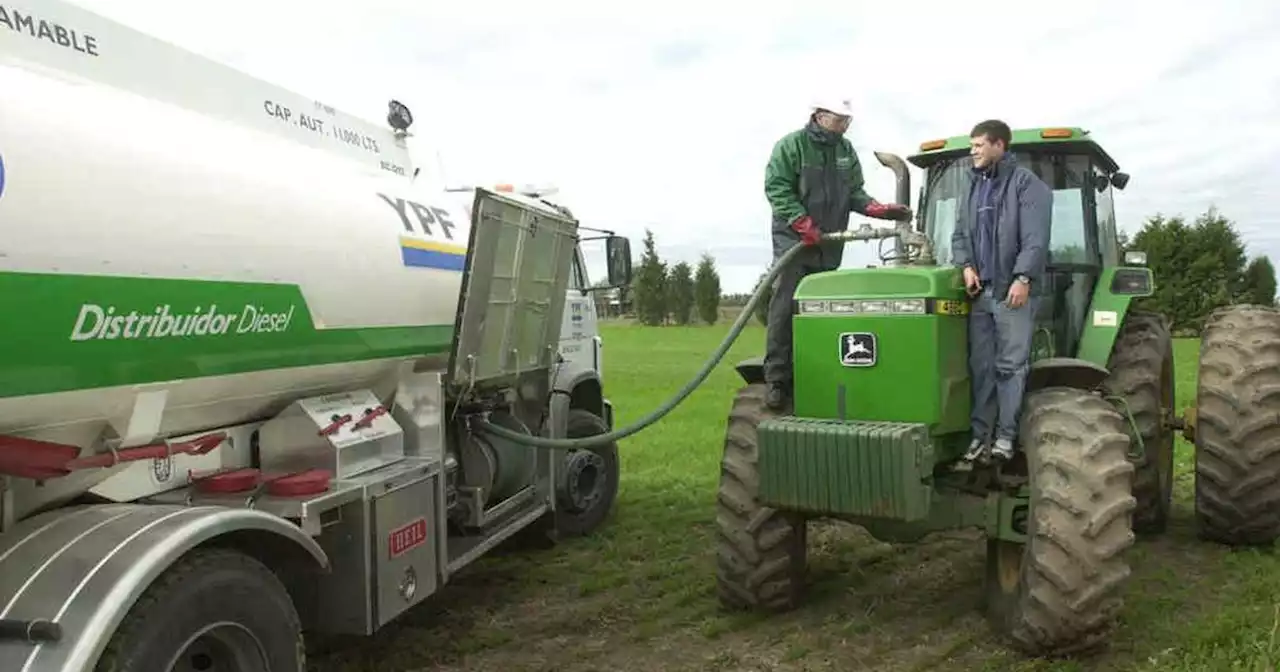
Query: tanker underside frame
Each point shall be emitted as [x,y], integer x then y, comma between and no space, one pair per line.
[363,501]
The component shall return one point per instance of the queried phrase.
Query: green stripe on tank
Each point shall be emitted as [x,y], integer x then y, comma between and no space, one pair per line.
[68,332]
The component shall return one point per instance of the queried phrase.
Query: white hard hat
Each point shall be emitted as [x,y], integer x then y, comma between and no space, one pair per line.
[832,104]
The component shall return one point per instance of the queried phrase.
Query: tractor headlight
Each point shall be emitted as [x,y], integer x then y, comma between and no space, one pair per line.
[910,306]
[844,306]
[864,307]
[813,306]
[875,306]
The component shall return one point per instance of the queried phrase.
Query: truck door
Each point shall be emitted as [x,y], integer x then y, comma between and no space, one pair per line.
[578,332]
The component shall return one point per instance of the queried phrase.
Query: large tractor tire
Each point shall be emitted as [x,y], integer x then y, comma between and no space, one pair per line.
[1141,368]
[1060,592]
[212,610]
[760,559]
[1237,432]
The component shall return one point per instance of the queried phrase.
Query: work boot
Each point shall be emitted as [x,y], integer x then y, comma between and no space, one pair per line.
[1003,450]
[776,397]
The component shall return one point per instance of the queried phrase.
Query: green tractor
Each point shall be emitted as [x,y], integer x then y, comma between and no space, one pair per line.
[875,436]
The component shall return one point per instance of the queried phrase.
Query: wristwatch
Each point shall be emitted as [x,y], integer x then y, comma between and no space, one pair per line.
[1022,278]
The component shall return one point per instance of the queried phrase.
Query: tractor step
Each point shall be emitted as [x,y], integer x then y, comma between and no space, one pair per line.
[865,469]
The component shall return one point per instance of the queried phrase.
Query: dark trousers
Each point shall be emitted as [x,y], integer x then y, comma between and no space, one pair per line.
[777,354]
[999,360]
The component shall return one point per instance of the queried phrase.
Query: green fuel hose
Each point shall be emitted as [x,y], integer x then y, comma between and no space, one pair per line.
[482,425]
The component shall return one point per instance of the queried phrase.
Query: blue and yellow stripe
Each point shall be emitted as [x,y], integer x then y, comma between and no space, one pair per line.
[432,254]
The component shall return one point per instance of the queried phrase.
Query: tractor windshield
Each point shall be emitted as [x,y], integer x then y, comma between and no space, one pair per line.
[1073,241]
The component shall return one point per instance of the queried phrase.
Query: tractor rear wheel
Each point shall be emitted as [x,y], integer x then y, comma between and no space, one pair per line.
[760,559]
[1141,368]
[1060,591]
[1237,432]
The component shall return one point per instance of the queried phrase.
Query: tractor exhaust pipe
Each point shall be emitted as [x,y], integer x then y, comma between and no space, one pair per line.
[902,191]
[901,195]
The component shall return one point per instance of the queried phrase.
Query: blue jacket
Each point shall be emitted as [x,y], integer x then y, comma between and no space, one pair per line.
[1023,213]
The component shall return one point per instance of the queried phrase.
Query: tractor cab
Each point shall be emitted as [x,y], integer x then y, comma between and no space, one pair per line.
[1084,248]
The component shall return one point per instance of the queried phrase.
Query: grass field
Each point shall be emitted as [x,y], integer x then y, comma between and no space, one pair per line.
[641,595]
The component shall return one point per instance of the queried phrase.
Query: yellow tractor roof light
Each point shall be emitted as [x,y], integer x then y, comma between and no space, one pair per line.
[932,145]
[1057,133]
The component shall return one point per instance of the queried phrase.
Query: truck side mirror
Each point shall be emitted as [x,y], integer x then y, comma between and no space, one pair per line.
[618,251]
[1119,180]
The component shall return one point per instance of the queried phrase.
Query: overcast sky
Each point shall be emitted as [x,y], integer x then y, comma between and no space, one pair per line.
[664,118]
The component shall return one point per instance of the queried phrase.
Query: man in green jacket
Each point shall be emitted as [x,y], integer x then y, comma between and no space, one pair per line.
[813,181]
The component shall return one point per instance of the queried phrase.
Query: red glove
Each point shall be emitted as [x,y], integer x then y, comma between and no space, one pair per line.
[809,234]
[888,211]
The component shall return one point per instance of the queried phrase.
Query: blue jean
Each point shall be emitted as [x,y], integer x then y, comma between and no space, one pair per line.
[999,358]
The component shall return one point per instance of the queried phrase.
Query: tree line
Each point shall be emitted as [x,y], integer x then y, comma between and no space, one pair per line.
[663,293]
[1199,266]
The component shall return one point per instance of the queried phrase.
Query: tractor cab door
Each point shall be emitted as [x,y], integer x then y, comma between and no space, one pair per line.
[1075,257]
[1082,240]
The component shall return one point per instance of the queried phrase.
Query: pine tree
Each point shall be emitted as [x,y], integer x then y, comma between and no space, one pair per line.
[650,292]
[706,289]
[680,289]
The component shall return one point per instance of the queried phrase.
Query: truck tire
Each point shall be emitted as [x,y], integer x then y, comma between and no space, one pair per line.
[587,482]
[1237,432]
[1060,592]
[760,560]
[215,609]
[1141,368]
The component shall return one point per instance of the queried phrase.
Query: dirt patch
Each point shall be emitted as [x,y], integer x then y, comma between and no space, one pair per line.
[870,606]
[633,601]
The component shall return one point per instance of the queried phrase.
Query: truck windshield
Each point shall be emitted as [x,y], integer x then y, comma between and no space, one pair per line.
[1071,242]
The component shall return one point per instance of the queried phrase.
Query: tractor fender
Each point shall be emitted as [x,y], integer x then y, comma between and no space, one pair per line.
[1080,374]
[751,370]
[84,567]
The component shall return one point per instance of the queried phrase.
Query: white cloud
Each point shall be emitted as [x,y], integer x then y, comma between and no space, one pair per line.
[662,115]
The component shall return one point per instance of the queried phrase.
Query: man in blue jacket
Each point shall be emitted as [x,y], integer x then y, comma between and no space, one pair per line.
[1002,243]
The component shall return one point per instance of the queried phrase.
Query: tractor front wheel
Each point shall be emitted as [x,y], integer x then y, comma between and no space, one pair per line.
[1141,368]
[1238,427]
[760,560]
[1059,592]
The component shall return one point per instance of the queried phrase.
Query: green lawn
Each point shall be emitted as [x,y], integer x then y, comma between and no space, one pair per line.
[641,595]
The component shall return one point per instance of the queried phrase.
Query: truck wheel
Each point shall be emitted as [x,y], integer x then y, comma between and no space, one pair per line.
[1142,374]
[1238,426]
[760,561]
[215,609]
[587,481]
[1060,592]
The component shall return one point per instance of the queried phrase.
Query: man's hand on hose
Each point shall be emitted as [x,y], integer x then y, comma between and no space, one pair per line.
[809,234]
[889,211]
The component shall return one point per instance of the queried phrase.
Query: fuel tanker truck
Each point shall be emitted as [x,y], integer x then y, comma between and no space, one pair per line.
[244,356]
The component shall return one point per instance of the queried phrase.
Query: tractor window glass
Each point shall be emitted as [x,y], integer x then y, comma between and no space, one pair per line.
[1107,234]
[1067,243]
[945,184]
[1070,239]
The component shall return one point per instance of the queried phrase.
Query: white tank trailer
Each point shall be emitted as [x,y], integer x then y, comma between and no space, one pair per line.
[240,355]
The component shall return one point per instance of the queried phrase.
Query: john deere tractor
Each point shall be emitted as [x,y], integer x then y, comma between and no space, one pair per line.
[881,413]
